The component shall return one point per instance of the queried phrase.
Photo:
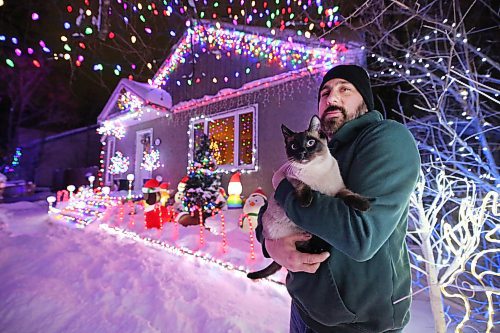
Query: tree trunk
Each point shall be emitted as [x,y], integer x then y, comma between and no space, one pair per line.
[434,288]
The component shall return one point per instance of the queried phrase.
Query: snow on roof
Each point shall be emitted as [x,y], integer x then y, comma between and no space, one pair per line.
[149,95]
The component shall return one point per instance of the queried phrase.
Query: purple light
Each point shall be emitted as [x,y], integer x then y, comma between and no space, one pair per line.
[30,50]
[148,30]
[35,16]
[18,52]
[42,43]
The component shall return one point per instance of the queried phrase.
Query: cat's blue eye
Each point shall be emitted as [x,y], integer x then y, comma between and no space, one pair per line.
[311,143]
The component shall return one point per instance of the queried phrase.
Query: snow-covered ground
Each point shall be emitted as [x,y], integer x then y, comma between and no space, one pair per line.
[56,278]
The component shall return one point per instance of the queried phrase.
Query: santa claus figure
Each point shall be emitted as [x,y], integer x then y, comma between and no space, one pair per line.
[152,205]
[251,209]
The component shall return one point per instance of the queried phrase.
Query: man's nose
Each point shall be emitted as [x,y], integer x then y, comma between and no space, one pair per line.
[332,99]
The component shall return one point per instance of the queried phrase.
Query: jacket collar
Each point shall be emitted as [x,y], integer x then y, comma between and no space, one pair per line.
[352,128]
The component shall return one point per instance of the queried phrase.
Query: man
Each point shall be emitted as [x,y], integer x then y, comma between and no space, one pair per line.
[362,284]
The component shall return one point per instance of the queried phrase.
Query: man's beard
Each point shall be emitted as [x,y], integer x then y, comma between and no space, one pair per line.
[331,125]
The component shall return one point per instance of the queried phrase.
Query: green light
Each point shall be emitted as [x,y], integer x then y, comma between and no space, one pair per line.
[117,72]
[9,62]
[67,48]
[335,9]
[272,16]
[88,30]
[247,70]
[143,19]
[320,10]
[268,23]
[292,15]
[216,5]
[202,14]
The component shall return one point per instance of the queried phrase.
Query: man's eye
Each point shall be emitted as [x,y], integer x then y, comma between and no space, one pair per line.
[311,143]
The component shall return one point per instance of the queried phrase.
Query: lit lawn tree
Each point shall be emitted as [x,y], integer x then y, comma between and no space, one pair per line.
[448,230]
[202,187]
[436,57]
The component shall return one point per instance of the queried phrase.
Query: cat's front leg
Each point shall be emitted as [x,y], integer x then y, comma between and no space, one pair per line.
[303,192]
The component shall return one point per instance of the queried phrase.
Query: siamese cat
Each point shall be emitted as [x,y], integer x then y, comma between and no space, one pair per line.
[310,166]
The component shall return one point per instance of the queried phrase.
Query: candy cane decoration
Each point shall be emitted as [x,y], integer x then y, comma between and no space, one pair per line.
[252,245]
[200,215]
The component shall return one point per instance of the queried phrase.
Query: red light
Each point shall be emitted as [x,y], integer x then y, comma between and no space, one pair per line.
[322,24]
[69,9]
[36,63]
[78,63]
[111,35]
[81,45]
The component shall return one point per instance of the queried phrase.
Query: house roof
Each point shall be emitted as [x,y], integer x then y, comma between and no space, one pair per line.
[155,98]
[287,48]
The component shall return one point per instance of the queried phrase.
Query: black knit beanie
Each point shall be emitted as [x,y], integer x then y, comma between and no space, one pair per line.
[354,74]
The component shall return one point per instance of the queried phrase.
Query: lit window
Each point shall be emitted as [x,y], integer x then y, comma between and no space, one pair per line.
[232,135]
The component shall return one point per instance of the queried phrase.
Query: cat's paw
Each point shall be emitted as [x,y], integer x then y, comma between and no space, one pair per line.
[305,196]
[357,202]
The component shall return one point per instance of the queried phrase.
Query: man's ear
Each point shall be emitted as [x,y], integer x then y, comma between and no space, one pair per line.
[286,131]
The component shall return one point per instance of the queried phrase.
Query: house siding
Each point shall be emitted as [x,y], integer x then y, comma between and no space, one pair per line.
[291,103]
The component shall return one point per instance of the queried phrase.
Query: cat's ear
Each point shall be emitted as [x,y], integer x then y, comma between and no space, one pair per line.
[314,124]
[286,131]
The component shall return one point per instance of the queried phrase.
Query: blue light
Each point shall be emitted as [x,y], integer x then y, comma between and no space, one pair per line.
[67,25]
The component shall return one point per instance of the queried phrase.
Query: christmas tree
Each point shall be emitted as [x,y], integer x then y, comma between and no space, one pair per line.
[202,187]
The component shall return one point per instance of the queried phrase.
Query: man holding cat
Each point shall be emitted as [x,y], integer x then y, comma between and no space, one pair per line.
[363,283]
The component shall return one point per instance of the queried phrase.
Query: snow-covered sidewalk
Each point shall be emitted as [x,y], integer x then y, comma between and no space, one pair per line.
[60,279]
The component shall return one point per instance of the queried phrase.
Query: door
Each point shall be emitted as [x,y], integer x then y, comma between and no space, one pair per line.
[143,143]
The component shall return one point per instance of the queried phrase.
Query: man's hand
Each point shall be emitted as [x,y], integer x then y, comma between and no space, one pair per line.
[284,252]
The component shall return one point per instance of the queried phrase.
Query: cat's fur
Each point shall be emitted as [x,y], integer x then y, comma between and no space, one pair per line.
[310,167]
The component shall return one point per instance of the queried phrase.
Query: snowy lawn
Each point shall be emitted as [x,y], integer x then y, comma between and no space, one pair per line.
[56,278]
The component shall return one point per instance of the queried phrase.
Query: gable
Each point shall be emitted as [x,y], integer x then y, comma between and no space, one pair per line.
[132,99]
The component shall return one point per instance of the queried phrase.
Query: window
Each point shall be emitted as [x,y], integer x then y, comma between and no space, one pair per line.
[233,138]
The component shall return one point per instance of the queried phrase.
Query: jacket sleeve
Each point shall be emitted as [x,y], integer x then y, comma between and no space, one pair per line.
[385,169]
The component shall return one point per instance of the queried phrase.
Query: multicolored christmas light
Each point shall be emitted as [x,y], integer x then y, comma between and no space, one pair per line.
[151,160]
[111,129]
[118,164]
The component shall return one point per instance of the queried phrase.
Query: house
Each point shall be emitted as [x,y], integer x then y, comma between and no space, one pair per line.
[237,85]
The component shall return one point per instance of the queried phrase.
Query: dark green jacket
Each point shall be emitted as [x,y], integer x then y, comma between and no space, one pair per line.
[364,286]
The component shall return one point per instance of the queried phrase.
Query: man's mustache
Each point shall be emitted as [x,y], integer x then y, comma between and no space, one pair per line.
[335,108]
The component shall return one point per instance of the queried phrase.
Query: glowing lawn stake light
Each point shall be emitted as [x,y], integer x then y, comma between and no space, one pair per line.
[91,180]
[51,199]
[71,189]
[130,178]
